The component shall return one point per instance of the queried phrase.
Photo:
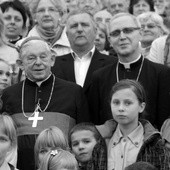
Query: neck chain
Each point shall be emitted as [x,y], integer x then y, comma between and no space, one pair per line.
[140,69]
[38,105]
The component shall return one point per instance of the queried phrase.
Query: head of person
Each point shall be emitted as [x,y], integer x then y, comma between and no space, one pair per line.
[167,9]
[124,36]
[91,6]
[47,140]
[5,75]
[48,13]
[36,58]
[141,166]
[137,7]
[159,6]
[15,18]
[101,42]
[81,30]
[8,136]
[102,17]
[152,27]
[117,6]
[127,101]
[82,139]
[71,5]
[59,159]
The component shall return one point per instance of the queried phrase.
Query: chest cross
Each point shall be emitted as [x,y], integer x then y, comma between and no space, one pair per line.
[35,118]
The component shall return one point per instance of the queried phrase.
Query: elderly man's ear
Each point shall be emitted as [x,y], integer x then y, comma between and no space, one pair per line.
[53,56]
[20,64]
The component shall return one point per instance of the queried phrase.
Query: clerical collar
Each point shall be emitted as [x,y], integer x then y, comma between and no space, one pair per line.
[129,64]
[88,54]
[40,82]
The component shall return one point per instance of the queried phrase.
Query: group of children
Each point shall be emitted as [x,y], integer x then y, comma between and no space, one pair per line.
[126,142]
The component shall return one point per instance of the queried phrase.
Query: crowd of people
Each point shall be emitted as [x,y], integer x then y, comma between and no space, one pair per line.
[85,84]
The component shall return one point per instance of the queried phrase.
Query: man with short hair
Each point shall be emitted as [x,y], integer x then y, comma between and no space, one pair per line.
[84,58]
[41,100]
[117,6]
[125,35]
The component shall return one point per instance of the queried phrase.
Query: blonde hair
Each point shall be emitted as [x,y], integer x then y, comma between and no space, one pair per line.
[51,137]
[57,159]
[8,127]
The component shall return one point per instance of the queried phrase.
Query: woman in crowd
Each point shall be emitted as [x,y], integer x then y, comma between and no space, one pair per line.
[137,7]
[152,27]
[15,18]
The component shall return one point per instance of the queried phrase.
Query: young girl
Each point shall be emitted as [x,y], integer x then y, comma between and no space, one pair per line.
[47,140]
[58,159]
[8,143]
[88,146]
[5,75]
[133,140]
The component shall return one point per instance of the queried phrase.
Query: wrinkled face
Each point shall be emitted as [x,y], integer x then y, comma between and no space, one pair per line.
[124,42]
[89,5]
[37,60]
[117,6]
[125,107]
[150,31]
[102,17]
[47,15]
[100,40]
[82,144]
[5,76]
[81,31]
[5,146]
[13,23]
[141,7]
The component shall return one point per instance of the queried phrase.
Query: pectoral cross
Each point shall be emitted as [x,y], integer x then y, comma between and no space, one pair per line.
[35,118]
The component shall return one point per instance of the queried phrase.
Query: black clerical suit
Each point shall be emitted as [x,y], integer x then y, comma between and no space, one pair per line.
[154,77]
[67,107]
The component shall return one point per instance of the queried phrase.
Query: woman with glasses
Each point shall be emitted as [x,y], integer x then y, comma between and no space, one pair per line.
[152,27]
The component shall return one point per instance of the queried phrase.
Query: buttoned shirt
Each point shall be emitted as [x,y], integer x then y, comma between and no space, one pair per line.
[81,66]
[123,151]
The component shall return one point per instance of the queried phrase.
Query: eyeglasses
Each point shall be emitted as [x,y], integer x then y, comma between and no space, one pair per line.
[149,26]
[127,30]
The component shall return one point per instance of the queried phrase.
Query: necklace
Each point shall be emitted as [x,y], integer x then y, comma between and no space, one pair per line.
[140,69]
[38,105]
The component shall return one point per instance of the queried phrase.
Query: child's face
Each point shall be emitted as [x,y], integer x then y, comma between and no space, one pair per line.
[126,107]
[42,152]
[5,76]
[5,146]
[82,143]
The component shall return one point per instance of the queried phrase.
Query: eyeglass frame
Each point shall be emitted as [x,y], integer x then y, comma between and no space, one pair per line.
[126,30]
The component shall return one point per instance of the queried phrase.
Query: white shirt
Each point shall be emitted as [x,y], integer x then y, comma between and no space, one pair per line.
[81,66]
[123,151]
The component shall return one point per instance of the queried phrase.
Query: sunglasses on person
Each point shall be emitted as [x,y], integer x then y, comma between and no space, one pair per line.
[127,30]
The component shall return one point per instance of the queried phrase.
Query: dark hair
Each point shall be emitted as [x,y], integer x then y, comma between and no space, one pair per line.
[85,126]
[133,2]
[141,166]
[136,87]
[16,5]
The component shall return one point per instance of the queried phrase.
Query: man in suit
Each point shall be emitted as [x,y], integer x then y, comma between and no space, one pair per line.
[124,36]
[84,58]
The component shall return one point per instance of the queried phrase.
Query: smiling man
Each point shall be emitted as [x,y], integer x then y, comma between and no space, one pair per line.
[125,35]
[41,100]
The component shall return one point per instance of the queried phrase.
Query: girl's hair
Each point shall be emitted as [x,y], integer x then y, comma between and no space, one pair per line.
[16,5]
[133,2]
[141,166]
[85,126]
[51,137]
[57,159]
[136,87]
[8,127]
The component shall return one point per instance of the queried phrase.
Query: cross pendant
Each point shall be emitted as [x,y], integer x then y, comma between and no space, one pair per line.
[35,118]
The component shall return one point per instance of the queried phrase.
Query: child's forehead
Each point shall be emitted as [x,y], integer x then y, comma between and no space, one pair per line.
[83,133]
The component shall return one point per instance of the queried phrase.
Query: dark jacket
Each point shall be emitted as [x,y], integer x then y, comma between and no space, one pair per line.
[152,151]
